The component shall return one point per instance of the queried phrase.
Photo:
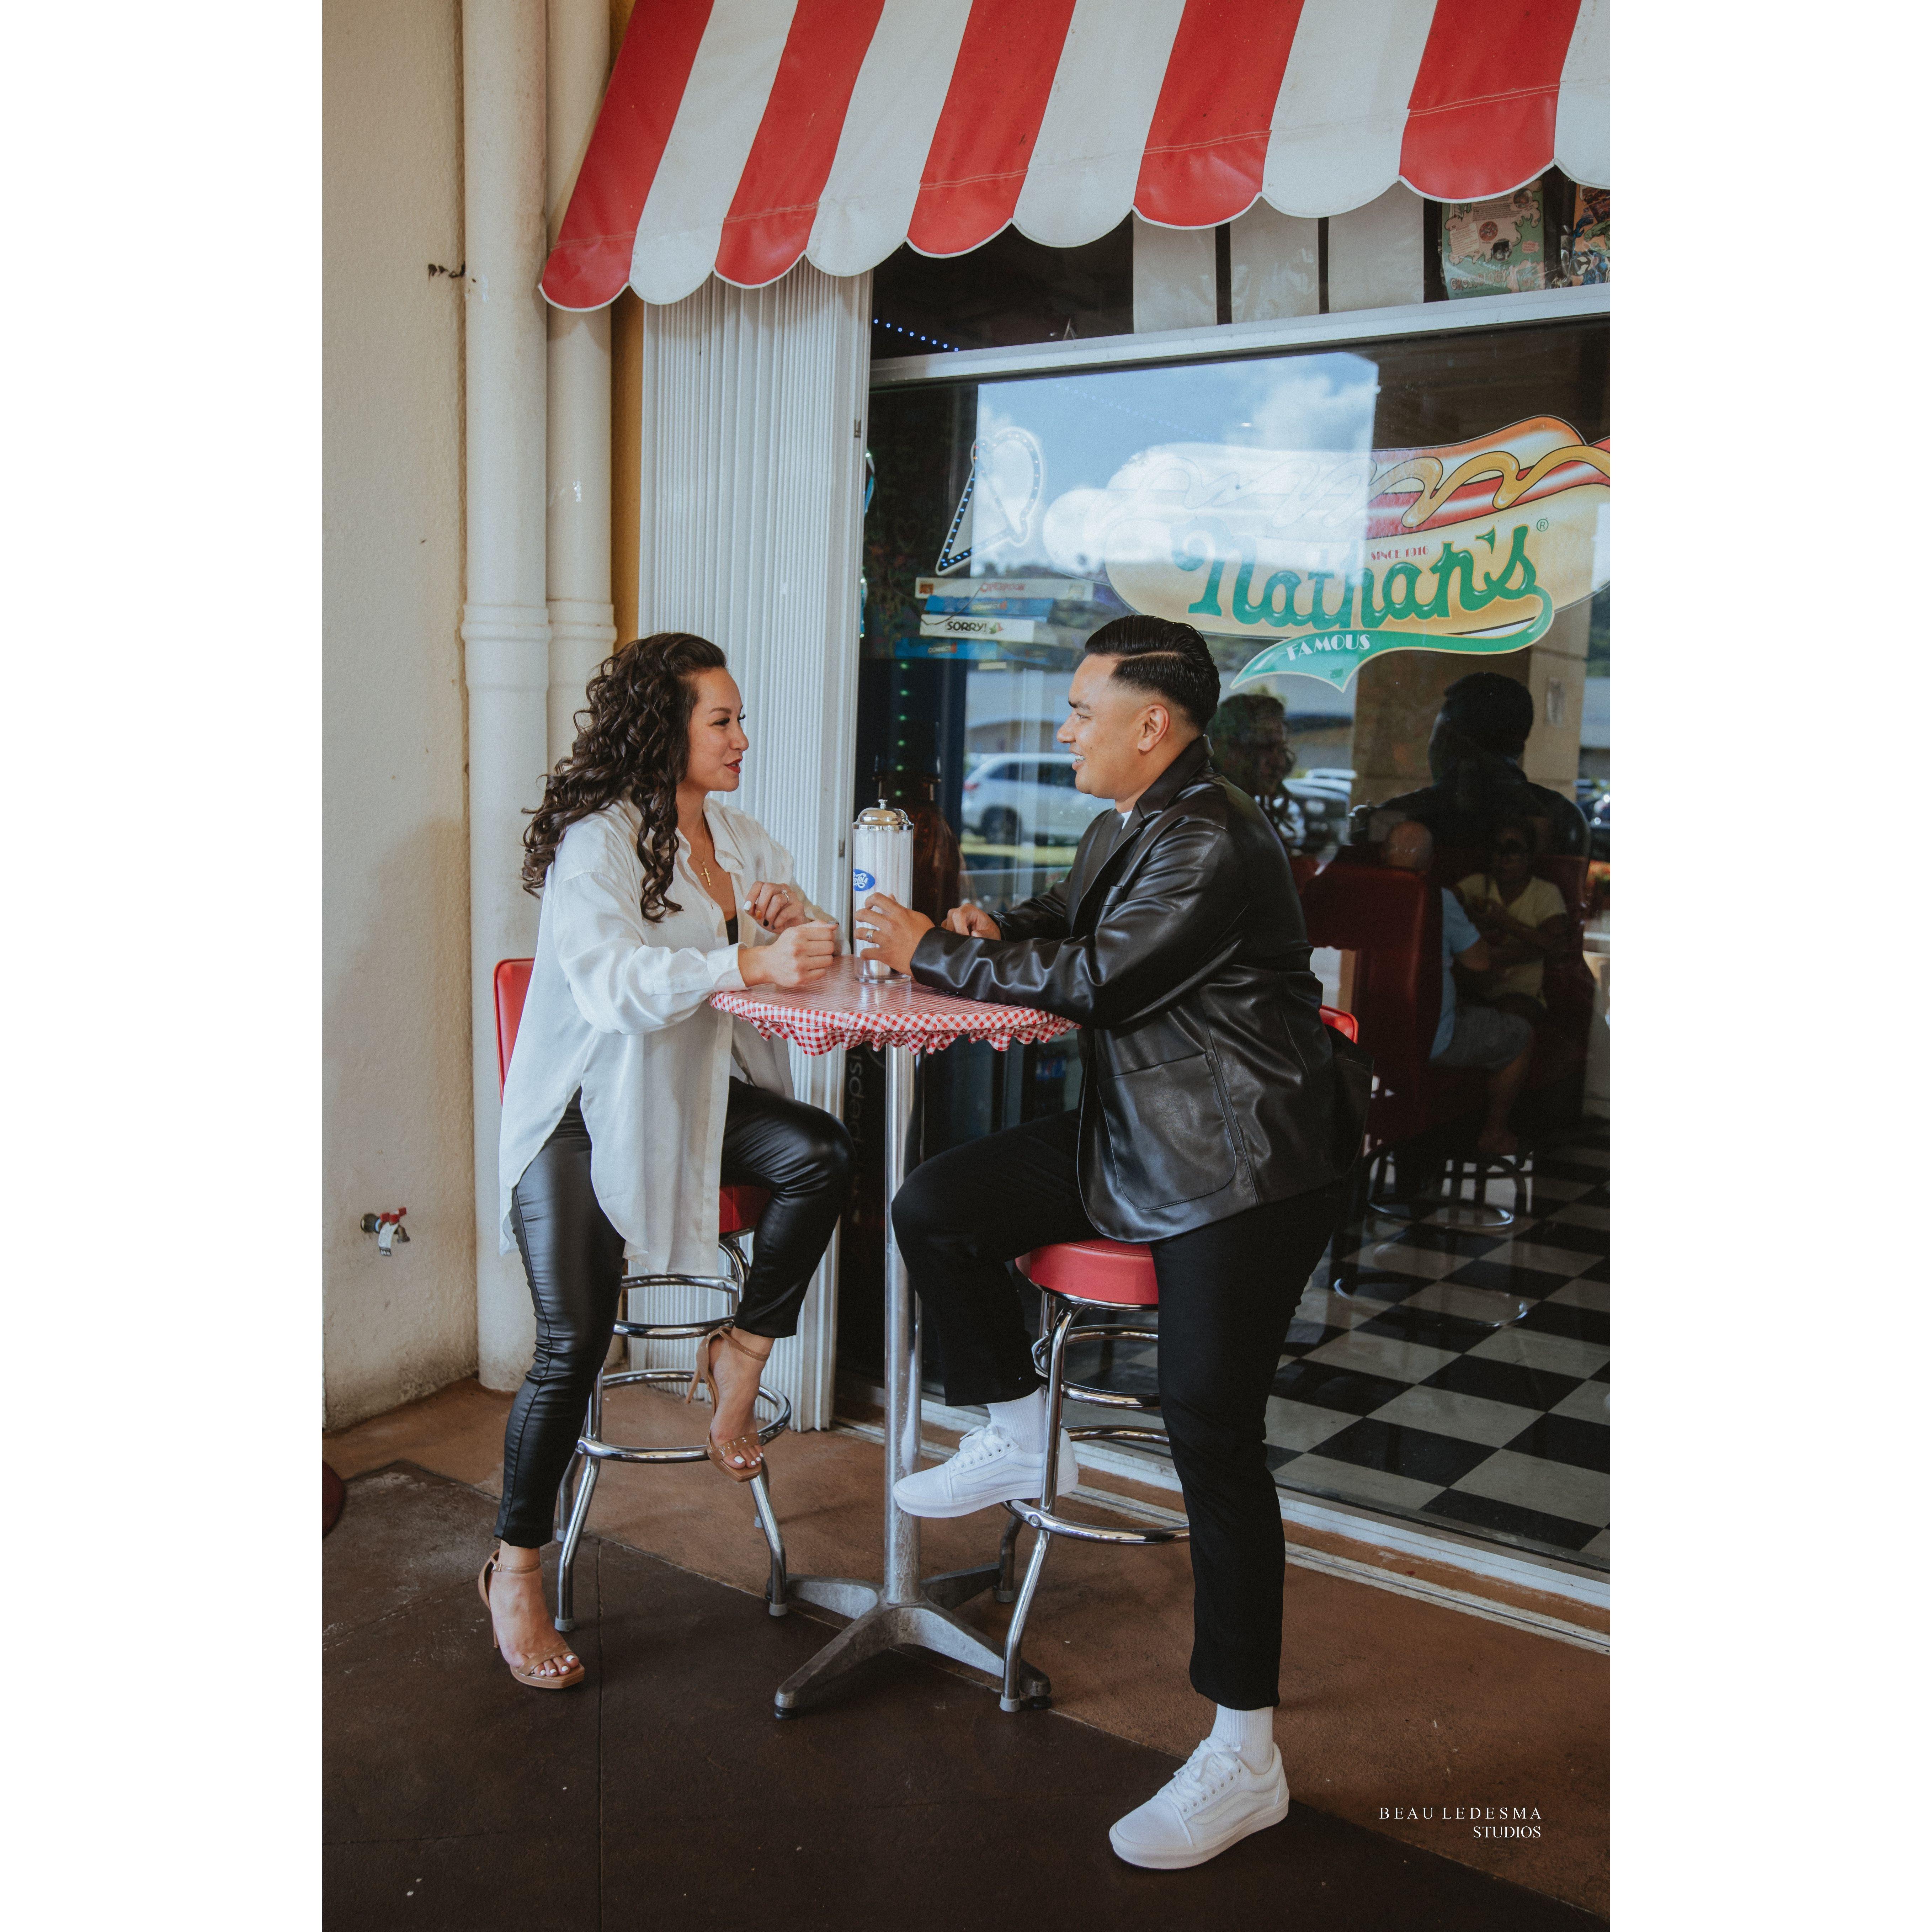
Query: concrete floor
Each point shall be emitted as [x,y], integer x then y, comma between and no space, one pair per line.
[1388,1704]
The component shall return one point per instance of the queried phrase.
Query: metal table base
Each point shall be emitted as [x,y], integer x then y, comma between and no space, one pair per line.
[902,1610]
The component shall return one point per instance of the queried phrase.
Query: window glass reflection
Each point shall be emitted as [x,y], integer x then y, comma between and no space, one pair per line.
[1399,555]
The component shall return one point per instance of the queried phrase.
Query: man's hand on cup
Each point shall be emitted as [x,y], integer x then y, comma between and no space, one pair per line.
[894,931]
[777,908]
[971,922]
[799,956]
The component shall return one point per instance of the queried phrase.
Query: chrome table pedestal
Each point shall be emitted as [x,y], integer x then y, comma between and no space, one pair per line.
[902,1610]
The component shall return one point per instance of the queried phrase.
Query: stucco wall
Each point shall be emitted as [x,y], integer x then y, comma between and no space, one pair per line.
[396,1028]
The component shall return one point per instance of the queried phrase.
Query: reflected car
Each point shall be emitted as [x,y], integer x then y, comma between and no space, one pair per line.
[1323,808]
[1027,799]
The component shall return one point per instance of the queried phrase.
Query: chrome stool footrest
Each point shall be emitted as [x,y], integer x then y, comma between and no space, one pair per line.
[1106,1332]
[1116,1433]
[1447,1208]
[1034,1517]
[1433,1210]
[766,1400]
[773,1410]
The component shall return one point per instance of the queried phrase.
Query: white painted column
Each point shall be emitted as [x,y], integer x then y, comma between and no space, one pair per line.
[753,441]
[581,627]
[505,625]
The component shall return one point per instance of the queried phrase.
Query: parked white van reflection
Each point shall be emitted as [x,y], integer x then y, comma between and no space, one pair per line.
[1026,799]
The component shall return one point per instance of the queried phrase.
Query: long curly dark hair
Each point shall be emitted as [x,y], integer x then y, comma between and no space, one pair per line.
[632,744]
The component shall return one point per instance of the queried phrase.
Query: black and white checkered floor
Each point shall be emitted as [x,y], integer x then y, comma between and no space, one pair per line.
[1465,1377]
[1459,1378]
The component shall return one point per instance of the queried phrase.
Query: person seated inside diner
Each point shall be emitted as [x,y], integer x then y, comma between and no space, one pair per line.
[1521,916]
[1497,1041]
[1475,765]
[910,779]
[1247,738]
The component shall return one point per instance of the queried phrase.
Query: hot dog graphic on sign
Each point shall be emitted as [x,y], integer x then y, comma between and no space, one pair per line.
[1471,547]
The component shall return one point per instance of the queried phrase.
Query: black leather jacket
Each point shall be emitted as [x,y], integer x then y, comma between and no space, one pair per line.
[1211,1084]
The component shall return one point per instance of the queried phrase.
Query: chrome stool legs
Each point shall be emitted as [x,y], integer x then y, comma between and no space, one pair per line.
[1010,1699]
[1060,1324]
[1448,1208]
[1486,1218]
[772,1410]
[581,1492]
[776,1581]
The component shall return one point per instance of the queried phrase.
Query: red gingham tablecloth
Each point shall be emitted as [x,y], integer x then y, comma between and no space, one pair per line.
[844,1010]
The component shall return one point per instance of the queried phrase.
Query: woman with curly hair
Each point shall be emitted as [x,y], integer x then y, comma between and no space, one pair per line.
[630,1098]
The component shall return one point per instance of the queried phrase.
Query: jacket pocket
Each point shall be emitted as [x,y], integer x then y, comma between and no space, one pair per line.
[1167,1135]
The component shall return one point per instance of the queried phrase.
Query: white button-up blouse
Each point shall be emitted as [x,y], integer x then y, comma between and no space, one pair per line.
[617,1010]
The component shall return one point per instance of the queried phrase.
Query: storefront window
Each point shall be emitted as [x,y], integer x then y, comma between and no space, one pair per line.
[1356,531]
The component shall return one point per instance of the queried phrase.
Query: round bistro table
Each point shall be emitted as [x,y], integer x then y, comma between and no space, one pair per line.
[844,1009]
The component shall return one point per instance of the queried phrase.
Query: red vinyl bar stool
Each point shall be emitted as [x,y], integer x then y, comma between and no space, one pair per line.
[738,1211]
[1075,1280]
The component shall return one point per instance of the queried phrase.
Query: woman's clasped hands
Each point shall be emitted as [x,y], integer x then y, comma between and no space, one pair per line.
[802,954]
[777,908]
[805,947]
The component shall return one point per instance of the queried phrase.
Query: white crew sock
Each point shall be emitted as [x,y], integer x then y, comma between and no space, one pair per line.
[1250,1733]
[1023,1420]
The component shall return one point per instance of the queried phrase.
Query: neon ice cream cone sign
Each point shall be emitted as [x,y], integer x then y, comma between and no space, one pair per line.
[1472,547]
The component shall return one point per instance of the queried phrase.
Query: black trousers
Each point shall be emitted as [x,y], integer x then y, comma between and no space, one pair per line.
[574,1260]
[1228,1292]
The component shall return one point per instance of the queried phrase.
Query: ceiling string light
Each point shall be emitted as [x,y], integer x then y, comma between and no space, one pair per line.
[879,321]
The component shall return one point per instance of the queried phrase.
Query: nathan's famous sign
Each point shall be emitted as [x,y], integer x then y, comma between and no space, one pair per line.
[1471,547]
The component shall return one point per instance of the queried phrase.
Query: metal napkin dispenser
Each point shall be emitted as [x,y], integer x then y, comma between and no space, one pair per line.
[881,863]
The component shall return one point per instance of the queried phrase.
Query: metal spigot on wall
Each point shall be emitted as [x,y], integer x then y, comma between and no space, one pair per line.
[387,1229]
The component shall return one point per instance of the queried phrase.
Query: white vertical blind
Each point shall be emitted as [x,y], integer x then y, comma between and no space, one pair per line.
[752,454]
[1274,262]
[1174,277]
[1376,253]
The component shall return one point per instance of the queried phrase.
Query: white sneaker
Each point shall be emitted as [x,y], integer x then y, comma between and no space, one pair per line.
[988,1467]
[1214,1800]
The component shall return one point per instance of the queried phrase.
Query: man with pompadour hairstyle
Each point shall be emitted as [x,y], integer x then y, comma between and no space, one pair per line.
[1218,1122]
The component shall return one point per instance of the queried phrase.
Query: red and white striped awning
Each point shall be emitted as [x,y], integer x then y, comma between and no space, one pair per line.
[738,135]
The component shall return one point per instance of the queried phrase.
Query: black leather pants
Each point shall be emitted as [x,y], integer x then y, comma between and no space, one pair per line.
[574,1260]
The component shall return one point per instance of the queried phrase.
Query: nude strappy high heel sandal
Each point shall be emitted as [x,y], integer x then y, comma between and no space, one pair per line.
[743,1456]
[531,1674]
